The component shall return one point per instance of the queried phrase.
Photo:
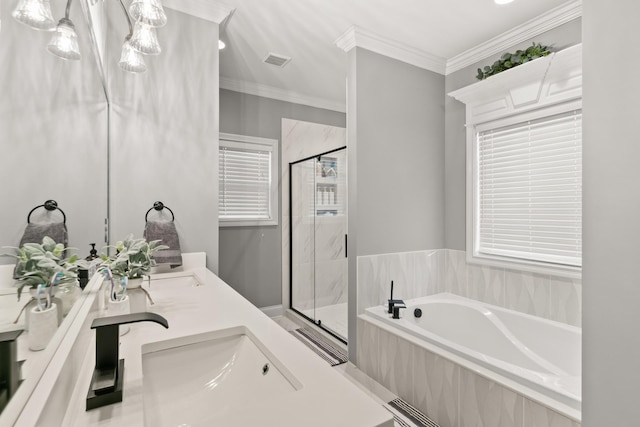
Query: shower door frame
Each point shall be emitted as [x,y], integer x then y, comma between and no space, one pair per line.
[304,316]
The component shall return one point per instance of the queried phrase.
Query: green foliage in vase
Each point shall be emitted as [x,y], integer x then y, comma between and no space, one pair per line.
[38,263]
[133,257]
[510,60]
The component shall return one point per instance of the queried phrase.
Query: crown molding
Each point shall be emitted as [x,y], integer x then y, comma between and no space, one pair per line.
[532,28]
[205,9]
[272,92]
[355,36]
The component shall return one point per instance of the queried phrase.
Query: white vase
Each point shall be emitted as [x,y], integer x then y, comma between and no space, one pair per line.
[42,326]
[34,303]
[117,308]
[134,283]
[137,297]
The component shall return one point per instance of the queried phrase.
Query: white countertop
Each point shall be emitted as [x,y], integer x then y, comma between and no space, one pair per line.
[325,399]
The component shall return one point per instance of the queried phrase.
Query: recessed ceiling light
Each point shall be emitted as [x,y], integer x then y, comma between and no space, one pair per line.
[502,1]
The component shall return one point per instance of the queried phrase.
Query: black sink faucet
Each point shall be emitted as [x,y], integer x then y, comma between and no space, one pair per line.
[108,375]
[9,366]
[393,302]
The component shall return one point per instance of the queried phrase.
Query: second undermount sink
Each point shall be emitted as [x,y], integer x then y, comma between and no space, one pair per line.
[191,381]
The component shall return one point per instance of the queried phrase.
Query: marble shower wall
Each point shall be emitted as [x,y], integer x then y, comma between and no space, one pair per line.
[303,238]
[424,273]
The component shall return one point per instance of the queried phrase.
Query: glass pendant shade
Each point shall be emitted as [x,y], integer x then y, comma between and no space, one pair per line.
[148,11]
[64,42]
[35,13]
[131,60]
[145,40]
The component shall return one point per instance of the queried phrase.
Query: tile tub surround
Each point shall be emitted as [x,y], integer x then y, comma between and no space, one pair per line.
[200,302]
[445,390]
[428,272]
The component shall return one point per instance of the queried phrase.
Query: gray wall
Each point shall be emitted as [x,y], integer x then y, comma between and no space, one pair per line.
[163,132]
[611,212]
[53,134]
[395,155]
[566,35]
[251,257]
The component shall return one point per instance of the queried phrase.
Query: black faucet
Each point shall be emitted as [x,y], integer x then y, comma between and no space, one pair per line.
[394,302]
[9,366]
[108,375]
[396,309]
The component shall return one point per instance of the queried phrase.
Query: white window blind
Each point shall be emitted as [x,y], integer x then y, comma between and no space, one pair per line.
[530,190]
[245,179]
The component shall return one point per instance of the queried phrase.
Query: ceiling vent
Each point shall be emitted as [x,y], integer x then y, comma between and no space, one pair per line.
[277,59]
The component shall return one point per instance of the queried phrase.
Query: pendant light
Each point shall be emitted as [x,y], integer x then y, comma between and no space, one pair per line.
[148,11]
[130,60]
[145,39]
[142,38]
[64,42]
[35,14]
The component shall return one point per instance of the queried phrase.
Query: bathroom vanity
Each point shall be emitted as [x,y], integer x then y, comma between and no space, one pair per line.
[220,362]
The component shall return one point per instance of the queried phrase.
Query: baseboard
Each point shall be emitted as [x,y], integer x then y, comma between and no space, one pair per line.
[273,310]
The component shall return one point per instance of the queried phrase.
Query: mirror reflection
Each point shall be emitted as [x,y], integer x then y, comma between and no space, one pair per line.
[53,147]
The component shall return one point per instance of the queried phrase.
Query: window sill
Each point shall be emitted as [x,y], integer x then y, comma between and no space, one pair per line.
[523,265]
[247,223]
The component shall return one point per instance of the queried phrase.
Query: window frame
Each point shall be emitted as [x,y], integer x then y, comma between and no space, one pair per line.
[244,141]
[472,196]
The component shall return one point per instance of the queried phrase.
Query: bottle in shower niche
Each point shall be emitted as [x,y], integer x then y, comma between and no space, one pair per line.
[319,196]
[332,197]
[332,170]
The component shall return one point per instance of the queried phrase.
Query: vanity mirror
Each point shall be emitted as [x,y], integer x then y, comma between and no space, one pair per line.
[53,146]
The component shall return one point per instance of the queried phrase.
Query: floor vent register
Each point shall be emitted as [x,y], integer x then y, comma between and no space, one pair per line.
[329,352]
[406,415]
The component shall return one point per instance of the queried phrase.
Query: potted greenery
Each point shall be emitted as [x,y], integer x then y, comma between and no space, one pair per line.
[511,60]
[133,259]
[44,264]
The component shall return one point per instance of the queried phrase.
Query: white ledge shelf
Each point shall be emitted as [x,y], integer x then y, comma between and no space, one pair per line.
[549,80]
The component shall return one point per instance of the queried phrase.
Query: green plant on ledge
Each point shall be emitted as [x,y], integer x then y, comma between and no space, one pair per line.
[133,257]
[510,60]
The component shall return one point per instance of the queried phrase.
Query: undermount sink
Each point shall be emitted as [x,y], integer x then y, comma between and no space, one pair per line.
[191,381]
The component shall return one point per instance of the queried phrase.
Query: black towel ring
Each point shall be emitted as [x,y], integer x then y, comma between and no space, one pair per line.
[159,206]
[50,205]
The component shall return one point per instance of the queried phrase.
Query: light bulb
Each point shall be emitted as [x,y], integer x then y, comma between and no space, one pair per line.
[148,11]
[35,14]
[145,40]
[221,45]
[502,1]
[64,42]
[131,60]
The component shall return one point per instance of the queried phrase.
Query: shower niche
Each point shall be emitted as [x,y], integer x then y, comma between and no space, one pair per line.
[318,231]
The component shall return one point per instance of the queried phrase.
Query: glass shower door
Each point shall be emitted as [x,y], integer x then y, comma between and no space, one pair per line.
[318,227]
[330,248]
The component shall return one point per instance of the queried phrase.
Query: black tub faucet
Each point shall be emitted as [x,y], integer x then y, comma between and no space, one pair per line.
[393,302]
[108,375]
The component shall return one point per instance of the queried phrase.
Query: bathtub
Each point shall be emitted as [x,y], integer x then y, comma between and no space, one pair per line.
[535,357]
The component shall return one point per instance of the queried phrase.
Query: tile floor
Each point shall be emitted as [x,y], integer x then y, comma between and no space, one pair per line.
[370,387]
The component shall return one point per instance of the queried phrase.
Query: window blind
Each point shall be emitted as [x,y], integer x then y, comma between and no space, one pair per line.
[530,190]
[245,182]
